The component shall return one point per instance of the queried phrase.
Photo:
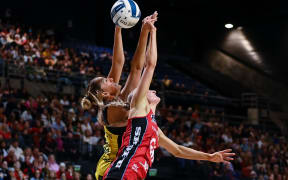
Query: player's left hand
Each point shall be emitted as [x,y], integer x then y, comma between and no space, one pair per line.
[222,156]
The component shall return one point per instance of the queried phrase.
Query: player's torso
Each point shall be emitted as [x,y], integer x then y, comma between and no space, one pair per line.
[113,141]
[136,154]
[116,117]
[145,136]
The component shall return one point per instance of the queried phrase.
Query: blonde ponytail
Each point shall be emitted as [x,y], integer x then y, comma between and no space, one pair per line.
[118,103]
[86,103]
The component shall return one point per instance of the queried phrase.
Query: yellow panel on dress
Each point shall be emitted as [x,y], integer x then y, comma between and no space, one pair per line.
[110,152]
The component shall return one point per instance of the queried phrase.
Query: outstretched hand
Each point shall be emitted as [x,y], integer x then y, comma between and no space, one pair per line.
[222,156]
[148,22]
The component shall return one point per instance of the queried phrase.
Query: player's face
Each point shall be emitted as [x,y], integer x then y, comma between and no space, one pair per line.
[152,97]
[108,85]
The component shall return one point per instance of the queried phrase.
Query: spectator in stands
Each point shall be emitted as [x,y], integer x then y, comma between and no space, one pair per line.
[37,138]
[59,124]
[89,177]
[51,174]
[61,171]
[53,116]
[48,144]
[37,175]
[17,150]
[70,172]
[198,125]
[3,150]
[4,170]
[27,138]
[5,131]
[70,146]
[93,115]
[60,151]
[41,162]
[27,166]
[12,174]
[55,105]
[72,115]
[3,117]
[26,115]
[52,165]
[97,136]
[77,175]
[65,102]
[45,118]
[229,171]
[86,125]
[195,114]
[18,172]
[28,154]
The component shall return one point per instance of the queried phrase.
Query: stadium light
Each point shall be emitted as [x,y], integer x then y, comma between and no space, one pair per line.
[229,26]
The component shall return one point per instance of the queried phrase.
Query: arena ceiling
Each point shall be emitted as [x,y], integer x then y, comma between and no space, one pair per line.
[259,37]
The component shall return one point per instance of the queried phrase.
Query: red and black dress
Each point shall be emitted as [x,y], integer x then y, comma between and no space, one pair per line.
[136,153]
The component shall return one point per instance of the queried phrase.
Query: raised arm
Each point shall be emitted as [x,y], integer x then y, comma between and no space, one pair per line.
[139,56]
[188,153]
[146,78]
[118,58]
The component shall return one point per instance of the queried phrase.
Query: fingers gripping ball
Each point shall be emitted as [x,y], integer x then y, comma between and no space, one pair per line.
[125,13]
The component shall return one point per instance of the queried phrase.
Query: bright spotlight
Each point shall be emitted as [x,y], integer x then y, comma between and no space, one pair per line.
[228,26]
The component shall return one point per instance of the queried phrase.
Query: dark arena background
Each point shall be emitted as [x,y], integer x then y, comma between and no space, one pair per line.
[220,86]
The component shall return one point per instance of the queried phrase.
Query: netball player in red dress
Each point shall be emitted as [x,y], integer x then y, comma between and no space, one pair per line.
[142,135]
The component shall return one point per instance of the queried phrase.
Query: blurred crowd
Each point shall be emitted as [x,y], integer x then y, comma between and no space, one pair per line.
[22,46]
[260,153]
[43,134]
[33,131]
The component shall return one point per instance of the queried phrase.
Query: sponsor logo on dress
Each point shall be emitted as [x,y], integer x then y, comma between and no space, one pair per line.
[135,167]
[128,148]
[145,165]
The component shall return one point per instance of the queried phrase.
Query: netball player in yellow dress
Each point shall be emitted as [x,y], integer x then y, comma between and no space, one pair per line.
[110,100]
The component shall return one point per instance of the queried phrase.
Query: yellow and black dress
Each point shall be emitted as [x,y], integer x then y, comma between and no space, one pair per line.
[113,138]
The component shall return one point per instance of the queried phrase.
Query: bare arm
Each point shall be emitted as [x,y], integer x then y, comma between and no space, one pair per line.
[151,61]
[136,64]
[118,58]
[148,48]
[188,153]
[138,60]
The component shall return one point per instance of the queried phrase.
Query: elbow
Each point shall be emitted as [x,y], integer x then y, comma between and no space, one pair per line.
[151,64]
[119,62]
[177,152]
[136,66]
